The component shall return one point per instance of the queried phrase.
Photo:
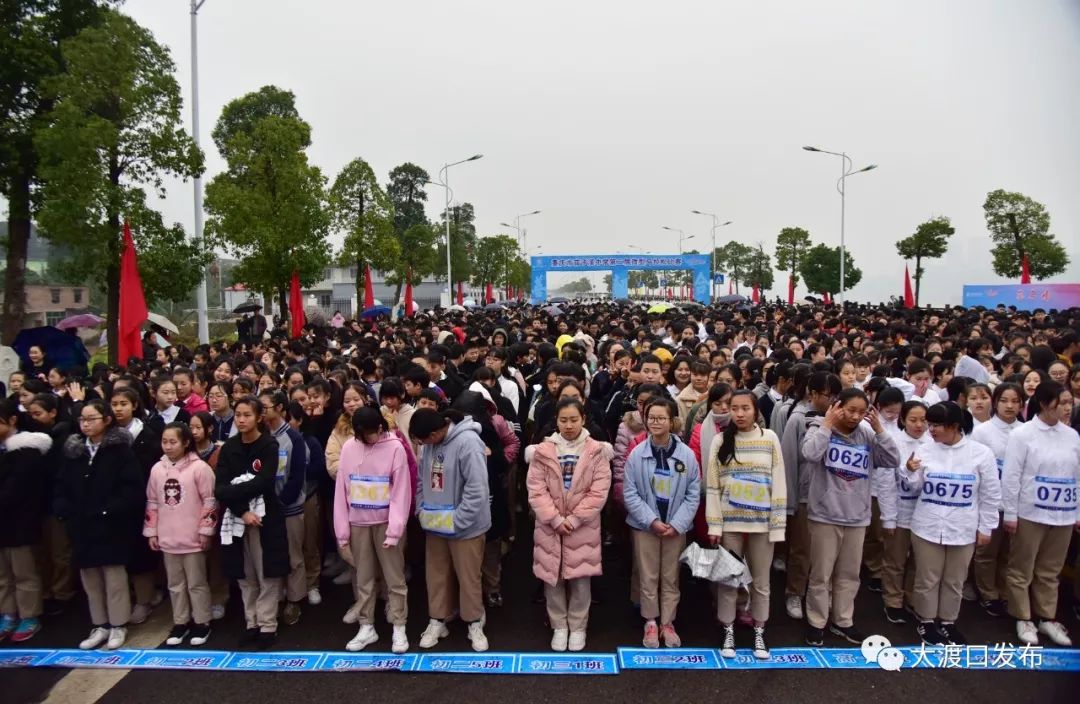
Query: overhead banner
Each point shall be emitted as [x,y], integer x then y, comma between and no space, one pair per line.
[1023,296]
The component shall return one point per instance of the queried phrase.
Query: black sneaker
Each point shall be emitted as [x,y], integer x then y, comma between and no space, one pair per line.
[177,635]
[727,647]
[250,638]
[266,641]
[928,633]
[200,633]
[850,633]
[874,585]
[994,607]
[494,600]
[816,636]
[894,615]
[950,634]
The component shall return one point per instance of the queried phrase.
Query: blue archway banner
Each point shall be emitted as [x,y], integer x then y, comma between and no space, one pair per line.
[620,265]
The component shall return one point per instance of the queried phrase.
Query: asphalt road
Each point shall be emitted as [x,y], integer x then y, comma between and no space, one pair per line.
[519,626]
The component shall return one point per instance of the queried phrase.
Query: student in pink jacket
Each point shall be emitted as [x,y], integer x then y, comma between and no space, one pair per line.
[568,481]
[181,521]
[372,500]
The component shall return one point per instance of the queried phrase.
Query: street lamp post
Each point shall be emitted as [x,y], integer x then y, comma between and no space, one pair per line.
[520,231]
[845,171]
[682,236]
[444,179]
[200,290]
[716,224]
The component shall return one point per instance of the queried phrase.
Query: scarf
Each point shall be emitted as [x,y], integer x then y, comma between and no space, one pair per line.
[712,426]
[568,452]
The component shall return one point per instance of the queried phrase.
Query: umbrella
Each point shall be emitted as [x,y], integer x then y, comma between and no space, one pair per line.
[82,320]
[559,299]
[456,308]
[494,306]
[691,304]
[661,308]
[162,322]
[732,298]
[375,311]
[249,307]
[63,349]
[624,301]
[553,311]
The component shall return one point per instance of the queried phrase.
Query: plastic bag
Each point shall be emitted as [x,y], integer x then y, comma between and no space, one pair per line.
[716,565]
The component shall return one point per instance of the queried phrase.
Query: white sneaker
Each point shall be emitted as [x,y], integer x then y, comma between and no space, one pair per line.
[314,597]
[399,643]
[346,577]
[364,637]
[352,615]
[559,640]
[97,638]
[1055,632]
[1027,633]
[117,636]
[139,614]
[577,641]
[217,612]
[435,630]
[476,635]
[793,604]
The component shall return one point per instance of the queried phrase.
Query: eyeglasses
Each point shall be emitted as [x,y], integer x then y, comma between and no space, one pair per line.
[91,419]
[655,420]
[215,394]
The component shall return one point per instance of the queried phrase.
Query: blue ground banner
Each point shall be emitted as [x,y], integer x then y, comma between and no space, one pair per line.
[1001,656]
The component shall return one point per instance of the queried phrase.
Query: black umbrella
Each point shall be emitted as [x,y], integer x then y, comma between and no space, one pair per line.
[494,306]
[624,301]
[558,299]
[733,298]
[249,307]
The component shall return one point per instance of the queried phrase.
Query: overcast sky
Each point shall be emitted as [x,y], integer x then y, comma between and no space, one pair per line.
[616,118]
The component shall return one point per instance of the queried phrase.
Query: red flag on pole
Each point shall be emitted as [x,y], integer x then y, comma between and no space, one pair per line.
[408,295]
[133,309]
[369,292]
[1025,273]
[755,296]
[460,293]
[827,298]
[791,290]
[909,297]
[296,307]
[729,290]
[489,294]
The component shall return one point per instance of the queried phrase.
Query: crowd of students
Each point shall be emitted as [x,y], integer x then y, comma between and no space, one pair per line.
[930,456]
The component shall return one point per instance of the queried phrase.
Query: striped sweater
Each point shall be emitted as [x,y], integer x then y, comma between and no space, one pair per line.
[748,495]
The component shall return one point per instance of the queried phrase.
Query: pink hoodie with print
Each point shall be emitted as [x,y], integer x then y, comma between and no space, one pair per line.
[373,486]
[180,504]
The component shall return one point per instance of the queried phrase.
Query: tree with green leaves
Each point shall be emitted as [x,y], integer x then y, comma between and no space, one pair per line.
[361,210]
[416,238]
[791,246]
[417,257]
[268,208]
[520,274]
[463,242]
[491,260]
[1020,226]
[31,32]
[734,258]
[582,285]
[759,271]
[820,270]
[115,131]
[929,241]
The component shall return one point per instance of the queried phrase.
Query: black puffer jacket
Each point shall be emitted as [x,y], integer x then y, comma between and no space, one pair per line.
[23,480]
[101,500]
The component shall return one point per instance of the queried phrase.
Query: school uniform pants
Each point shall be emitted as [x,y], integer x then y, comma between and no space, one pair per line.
[874,542]
[568,603]
[372,560]
[219,583]
[107,594]
[992,565]
[54,561]
[1036,557]
[145,584]
[20,585]
[897,569]
[657,561]
[835,554]
[758,551]
[797,537]
[260,593]
[189,589]
[491,568]
[940,571]
[312,542]
[296,582]
[448,563]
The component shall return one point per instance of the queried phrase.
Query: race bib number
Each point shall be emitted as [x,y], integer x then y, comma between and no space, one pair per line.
[847,460]
[437,519]
[1000,465]
[906,492]
[749,492]
[1055,493]
[947,489]
[661,484]
[369,492]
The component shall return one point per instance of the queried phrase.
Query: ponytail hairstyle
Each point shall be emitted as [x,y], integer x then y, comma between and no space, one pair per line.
[1046,394]
[946,413]
[823,382]
[187,441]
[133,396]
[367,420]
[726,454]
[800,376]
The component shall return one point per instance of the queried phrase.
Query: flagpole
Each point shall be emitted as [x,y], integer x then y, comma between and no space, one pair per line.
[200,290]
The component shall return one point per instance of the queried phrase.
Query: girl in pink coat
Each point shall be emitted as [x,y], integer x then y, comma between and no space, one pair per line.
[568,481]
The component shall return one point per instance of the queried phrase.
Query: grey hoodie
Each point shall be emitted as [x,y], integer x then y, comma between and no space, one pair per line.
[841,469]
[452,497]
